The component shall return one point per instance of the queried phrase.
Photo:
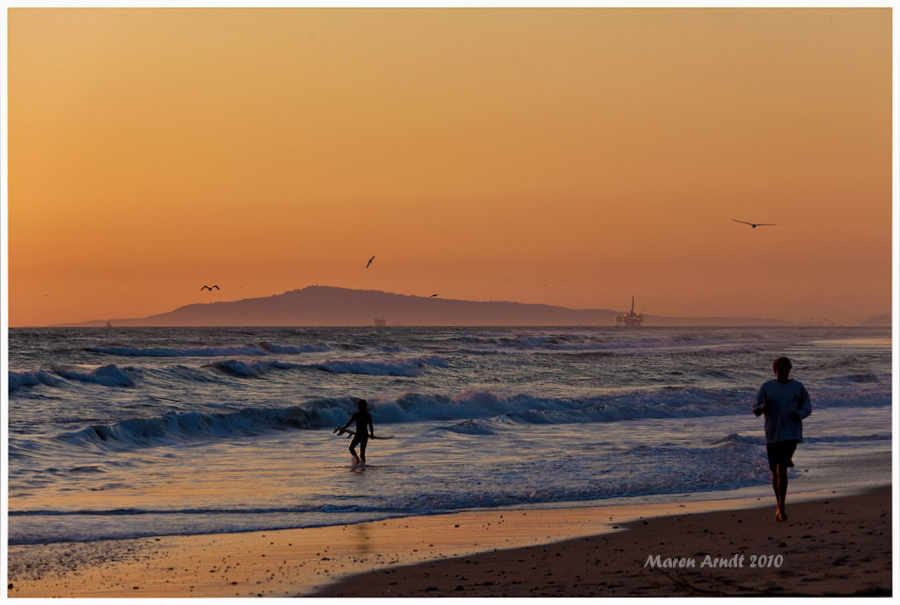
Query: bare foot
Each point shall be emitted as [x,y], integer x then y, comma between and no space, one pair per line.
[781,516]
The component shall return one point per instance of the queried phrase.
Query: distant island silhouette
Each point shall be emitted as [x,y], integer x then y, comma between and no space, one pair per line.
[332,306]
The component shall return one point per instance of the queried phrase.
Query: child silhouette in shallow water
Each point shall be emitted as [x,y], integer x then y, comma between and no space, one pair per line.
[364,429]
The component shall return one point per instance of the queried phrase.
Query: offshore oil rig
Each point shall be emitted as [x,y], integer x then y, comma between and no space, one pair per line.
[631,318]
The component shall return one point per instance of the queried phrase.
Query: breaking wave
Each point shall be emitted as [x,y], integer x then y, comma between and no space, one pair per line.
[245,369]
[113,376]
[176,427]
[110,376]
[474,413]
[18,380]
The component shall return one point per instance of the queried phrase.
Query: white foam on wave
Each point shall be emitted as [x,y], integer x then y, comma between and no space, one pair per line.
[109,375]
[247,369]
[175,427]
[479,413]
[19,380]
[661,403]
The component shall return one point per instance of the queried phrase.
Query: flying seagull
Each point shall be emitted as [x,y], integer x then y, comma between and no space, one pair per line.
[755,225]
[370,262]
[208,288]
[433,295]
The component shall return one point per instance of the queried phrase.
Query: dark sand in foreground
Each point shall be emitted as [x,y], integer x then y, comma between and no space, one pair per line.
[836,544]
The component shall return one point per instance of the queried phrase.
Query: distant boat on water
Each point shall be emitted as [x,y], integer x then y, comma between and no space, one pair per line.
[108,324]
[631,318]
[380,321]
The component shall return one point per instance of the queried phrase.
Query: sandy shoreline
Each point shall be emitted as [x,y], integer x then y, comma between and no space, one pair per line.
[833,543]
[830,546]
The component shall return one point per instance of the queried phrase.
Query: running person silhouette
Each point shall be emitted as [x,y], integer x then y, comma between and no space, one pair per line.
[785,403]
[364,429]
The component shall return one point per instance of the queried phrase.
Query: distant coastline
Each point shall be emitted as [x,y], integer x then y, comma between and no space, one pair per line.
[332,306]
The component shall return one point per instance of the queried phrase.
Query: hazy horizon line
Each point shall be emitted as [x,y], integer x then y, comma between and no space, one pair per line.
[810,321]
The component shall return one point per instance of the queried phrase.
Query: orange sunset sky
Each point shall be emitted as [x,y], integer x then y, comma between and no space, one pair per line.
[572,157]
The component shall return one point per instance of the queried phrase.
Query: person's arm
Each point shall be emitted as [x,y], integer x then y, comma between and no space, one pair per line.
[371,427]
[805,407]
[762,401]
[349,422]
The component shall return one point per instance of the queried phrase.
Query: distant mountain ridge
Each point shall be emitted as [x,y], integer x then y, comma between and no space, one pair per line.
[332,306]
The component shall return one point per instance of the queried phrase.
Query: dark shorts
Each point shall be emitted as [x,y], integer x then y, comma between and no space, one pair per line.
[781,452]
[360,439]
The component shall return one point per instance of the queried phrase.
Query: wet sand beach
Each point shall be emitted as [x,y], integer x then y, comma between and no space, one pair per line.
[833,543]
[832,546]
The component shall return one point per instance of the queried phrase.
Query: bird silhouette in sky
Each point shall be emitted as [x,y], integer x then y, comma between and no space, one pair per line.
[208,288]
[433,295]
[370,262]
[755,225]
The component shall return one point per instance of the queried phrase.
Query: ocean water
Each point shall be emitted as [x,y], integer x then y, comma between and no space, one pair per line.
[124,432]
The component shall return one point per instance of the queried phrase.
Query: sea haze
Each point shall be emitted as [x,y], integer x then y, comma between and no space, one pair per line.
[120,432]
